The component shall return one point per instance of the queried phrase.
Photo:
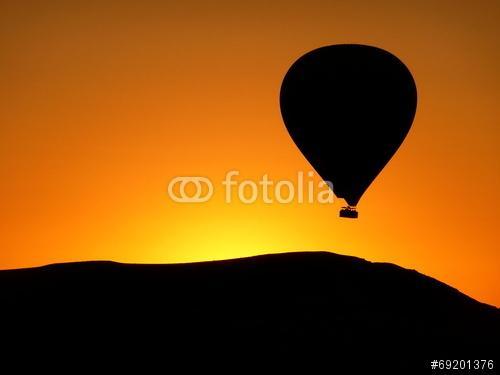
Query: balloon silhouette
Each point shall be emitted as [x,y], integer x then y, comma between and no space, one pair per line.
[348,108]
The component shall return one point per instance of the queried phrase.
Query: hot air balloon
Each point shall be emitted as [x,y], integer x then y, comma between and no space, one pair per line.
[348,108]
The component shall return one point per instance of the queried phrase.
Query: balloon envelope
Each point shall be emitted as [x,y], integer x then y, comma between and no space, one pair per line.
[348,108]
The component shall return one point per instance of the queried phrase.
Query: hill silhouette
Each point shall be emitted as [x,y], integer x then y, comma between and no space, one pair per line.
[314,305]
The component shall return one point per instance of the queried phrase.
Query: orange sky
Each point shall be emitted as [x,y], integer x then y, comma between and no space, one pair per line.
[103,102]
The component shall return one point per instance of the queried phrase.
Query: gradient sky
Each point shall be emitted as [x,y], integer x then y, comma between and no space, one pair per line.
[103,102]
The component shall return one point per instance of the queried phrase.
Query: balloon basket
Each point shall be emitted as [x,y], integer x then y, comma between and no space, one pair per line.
[349,212]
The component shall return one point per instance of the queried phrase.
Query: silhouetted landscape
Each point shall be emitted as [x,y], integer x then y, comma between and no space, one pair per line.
[314,305]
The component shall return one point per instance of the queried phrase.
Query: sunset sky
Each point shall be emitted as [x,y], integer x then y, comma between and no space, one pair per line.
[102,103]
